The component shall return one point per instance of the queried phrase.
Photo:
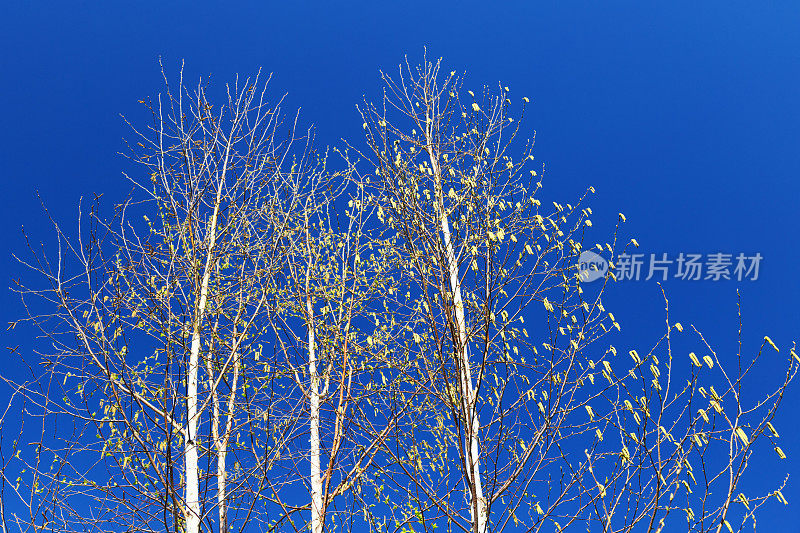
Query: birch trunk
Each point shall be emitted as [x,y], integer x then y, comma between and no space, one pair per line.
[222,449]
[192,471]
[317,516]
[222,478]
[316,477]
[191,463]
[478,507]
[221,440]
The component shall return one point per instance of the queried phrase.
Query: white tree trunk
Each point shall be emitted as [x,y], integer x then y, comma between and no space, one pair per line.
[191,464]
[220,445]
[222,449]
[478,503]
[316,478]
[191,468]
[222,478]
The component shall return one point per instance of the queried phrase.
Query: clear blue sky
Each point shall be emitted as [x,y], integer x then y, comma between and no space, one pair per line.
[683,115]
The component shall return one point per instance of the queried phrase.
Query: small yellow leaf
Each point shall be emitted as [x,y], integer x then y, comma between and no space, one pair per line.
[772,429]
[771,343]
[742,435]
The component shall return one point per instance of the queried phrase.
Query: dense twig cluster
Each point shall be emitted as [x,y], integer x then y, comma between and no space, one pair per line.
[254,341]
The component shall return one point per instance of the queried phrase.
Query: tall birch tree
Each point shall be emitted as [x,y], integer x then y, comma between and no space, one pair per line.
[162,298]
[522,385]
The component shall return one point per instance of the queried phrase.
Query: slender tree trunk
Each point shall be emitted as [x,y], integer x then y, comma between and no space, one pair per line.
[316,477]
[220,445]
[191,460]
[192,470]
[222,479]
[478,507]
[472,445]
[315,474]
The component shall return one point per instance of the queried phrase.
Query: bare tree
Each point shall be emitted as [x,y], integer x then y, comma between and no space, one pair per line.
[178,280]
[255,341]
[334,331]
[525,415]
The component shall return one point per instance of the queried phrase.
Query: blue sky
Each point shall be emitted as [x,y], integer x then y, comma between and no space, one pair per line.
[685,116]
